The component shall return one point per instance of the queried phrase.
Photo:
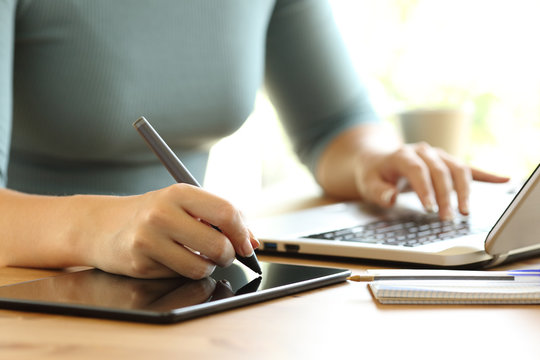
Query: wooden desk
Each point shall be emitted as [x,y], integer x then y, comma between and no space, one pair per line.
[337,322]
[340,321]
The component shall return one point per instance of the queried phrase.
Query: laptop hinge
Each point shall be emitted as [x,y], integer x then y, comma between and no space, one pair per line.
[496,260]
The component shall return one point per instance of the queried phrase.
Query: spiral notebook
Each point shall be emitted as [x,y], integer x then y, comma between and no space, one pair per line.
[455,292]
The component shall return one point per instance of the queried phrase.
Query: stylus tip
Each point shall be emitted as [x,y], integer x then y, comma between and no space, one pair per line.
[251,262]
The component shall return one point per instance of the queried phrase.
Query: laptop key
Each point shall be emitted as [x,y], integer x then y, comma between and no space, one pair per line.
[409,232]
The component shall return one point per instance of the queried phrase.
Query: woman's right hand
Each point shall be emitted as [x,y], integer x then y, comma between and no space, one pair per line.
[165,233]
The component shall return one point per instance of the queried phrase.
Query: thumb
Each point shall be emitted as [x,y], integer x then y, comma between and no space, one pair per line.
[381,193]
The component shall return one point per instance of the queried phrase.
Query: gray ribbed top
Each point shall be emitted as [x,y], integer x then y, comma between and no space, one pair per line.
[75,74]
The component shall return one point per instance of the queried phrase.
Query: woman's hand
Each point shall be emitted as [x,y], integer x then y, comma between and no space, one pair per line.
[165,233]
[432,173]
[370,162]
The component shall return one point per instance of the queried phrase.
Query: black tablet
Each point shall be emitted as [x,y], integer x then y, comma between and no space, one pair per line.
[95,293]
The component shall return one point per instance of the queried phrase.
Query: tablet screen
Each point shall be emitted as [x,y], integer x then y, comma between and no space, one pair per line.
[99,294]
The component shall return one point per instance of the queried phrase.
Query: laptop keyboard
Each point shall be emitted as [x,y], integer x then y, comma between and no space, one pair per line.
[410,232]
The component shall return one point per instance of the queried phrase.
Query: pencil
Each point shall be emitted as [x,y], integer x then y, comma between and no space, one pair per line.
[180,173]
[486,276]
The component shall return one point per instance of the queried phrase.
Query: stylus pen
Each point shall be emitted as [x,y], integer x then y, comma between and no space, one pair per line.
[528,276]
[179,172]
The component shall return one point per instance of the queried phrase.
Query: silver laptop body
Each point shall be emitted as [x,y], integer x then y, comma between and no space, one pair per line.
[503,225]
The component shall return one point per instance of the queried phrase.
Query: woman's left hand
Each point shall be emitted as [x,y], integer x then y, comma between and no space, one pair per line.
[432,173]
[370,162]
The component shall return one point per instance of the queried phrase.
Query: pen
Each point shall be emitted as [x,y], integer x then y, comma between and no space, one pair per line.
[179,172]
[520,275]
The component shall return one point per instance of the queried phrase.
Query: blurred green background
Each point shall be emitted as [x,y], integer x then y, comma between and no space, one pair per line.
[482,55]
[479,54]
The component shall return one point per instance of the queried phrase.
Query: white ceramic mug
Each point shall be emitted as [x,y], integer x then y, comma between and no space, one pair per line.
[445,128]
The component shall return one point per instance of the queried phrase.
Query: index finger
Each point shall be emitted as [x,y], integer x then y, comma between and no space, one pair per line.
[413,168]
[220,214]
[481,175]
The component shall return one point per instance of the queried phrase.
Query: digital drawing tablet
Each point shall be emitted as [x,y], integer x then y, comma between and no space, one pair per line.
[94,293]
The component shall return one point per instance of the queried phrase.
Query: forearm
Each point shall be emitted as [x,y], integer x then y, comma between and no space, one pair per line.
[45,231]
[345,155]
[161,233]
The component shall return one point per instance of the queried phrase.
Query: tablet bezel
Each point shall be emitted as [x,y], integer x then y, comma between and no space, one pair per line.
[329,276]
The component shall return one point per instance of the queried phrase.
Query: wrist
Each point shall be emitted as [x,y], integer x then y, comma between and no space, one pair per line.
[96,228]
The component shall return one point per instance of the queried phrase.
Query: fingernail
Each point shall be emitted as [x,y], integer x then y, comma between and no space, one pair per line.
[465,208]
[447,215]
[430,205]
[253,240]
[387,195]
[247,249]
[255,243]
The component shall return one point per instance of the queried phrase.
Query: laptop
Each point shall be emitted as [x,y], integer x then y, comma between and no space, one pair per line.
[503,226]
